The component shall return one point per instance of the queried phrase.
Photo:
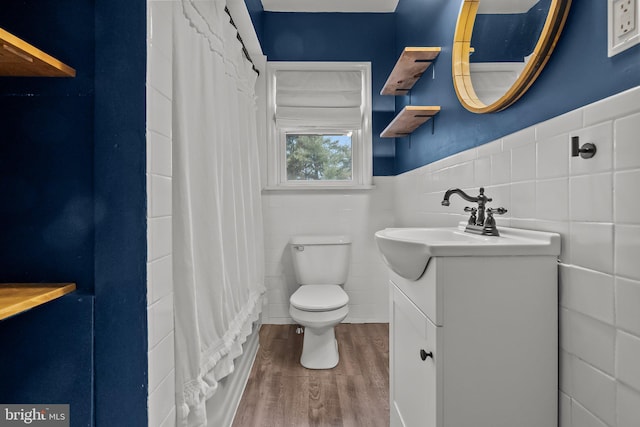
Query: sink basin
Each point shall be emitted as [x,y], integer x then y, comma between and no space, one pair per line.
[407,251]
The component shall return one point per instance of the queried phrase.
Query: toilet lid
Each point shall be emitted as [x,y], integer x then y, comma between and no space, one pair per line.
[319,298]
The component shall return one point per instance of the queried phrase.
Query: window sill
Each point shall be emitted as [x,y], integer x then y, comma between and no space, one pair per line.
[318,188]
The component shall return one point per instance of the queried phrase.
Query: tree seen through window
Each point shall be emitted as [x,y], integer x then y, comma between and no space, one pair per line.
[318,157]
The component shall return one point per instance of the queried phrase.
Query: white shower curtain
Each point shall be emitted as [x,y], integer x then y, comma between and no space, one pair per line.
[217,219]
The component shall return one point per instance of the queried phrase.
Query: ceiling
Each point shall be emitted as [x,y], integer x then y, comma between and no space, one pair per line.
[329,5]
[486,6]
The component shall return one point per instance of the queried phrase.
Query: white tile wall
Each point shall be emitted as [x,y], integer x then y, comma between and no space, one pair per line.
[594,205]
[627,406]
[161,363]
[358,214]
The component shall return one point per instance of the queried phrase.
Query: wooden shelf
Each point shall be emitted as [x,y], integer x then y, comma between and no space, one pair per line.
[20,59]
[412,63]
[409,119]
[18,297]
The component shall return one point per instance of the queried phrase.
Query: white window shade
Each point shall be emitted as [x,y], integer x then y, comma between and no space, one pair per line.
[318,99]
[327,99]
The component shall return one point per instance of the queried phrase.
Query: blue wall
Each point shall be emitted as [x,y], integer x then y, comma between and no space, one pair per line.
[256,12]
[120,213]
[341,37]
[73,208]
[577,74]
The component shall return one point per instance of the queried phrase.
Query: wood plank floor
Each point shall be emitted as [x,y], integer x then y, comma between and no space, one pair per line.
[280,392]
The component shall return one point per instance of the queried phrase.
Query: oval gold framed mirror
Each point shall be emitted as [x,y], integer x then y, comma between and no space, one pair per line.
[500,47]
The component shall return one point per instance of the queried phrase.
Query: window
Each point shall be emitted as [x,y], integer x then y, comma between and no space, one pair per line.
[319,156]
[319,125]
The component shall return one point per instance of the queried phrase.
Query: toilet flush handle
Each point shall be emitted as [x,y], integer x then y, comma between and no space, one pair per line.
[299,248]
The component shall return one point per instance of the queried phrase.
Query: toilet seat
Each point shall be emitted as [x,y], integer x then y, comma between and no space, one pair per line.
[319,298]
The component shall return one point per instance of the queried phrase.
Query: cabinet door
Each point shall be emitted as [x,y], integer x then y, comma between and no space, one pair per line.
[414,383]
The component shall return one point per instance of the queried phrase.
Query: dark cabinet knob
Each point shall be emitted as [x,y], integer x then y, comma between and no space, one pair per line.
[424,354]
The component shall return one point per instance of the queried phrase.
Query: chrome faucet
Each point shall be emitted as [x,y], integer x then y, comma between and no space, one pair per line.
[477,223]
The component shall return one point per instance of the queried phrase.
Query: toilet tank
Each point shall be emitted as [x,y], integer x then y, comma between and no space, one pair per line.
[321,260]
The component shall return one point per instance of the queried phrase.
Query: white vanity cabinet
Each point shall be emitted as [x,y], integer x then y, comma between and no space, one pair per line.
[474,343]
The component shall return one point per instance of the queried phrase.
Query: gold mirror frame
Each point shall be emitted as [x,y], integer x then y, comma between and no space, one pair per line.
[553,25]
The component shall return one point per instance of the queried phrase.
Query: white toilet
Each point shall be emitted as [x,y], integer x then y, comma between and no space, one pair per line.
[321,264]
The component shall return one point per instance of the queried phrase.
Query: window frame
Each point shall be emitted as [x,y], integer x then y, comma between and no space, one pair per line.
[361,139]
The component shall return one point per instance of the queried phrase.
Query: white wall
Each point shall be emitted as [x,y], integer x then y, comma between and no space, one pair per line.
[159,266]
[356,213]
[595,205]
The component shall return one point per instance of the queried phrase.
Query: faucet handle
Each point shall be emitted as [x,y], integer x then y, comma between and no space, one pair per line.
[497,211]
[472,218]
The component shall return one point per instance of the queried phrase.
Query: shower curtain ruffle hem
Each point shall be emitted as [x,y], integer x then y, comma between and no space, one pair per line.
[218,362]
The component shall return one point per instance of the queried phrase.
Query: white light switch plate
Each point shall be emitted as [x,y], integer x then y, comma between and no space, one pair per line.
[623,25]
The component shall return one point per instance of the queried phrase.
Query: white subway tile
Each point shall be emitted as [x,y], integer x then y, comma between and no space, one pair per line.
[518,139]
[161,362]
[361,297]
[525,224]
[159,238]
[587,292]
[628,251]
[618,105]
[564,408]
[162,27]
[552,157]
[500,196]
[595,390]
[589,339]
[602,136]
[627,359]
[523,200]
[161,314]
[158,113]
[455,159]
[482,171]
[627,149]
[441,179]
[493,147]
[159,150]
[591,197]
[628,406]
[160,196]
[159,71]
[278,310]
[581,417]
[552,199]
[523,163]
[559,125]
[278,296]
[501,168]
[628,305]
[627,203]
[592,246]
[162,400]
[170,420]
[565,370]
[160,278]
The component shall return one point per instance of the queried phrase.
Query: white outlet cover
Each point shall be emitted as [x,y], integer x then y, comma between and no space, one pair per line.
[620,39]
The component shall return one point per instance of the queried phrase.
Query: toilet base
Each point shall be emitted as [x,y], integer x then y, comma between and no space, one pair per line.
[319,349]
